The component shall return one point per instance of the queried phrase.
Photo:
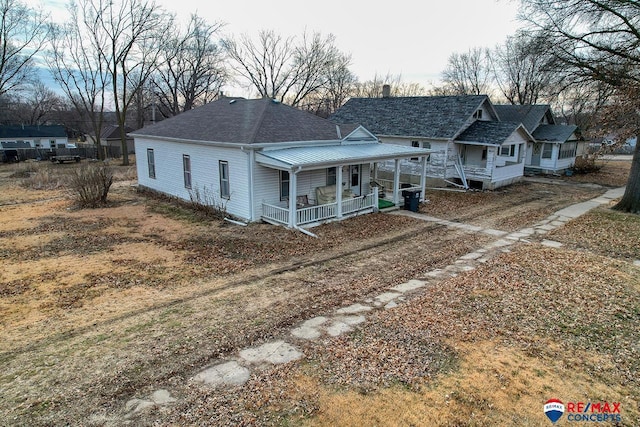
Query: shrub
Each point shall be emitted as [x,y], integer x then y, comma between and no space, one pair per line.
[205,203]
[585,165]
[90,184]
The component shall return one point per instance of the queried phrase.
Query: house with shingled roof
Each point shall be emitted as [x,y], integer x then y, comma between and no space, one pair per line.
[470,146]
[259,159]
[555,147]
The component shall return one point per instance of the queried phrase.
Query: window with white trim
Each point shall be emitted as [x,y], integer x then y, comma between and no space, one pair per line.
[547,150]
[225,191]
[567,150]
[284,185]
[186,169]
[508,150]
[331,176]
[151,163]
[415,144]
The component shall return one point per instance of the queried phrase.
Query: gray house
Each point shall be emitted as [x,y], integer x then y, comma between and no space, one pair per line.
[555,147]
[470,146]
[259,159]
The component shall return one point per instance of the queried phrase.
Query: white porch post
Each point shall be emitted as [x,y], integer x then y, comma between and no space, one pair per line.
[339,191]
[396,182]
[423,178]
[293,178]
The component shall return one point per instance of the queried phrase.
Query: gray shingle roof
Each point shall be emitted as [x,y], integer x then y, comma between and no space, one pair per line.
[488,132]
[555,133]
[243,121]
[420,116]
[529,115]
[52,131]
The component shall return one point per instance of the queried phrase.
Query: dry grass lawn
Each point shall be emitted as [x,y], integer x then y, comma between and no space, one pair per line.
[100,306]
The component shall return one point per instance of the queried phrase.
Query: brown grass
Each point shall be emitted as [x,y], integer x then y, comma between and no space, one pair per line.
[100,306]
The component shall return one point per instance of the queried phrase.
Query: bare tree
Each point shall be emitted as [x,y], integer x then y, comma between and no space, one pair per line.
[265,64]
[373,88]
[23,32]
[523,70]
[598,40]
[38,104]
[286,69]
[193,69]
[78,67]
[468,73]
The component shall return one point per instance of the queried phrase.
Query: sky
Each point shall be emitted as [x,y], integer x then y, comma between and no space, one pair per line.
[408,38]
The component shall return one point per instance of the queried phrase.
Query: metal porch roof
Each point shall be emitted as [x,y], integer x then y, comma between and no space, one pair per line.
[335,155]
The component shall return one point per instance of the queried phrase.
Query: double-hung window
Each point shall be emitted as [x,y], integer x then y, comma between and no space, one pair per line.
[547,150]
[225,192]
[186,168]
[151,163]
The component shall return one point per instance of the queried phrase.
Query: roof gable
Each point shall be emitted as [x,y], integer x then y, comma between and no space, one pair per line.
[555,133]
[491,133]
[531,116]
[244,121]
[438,117]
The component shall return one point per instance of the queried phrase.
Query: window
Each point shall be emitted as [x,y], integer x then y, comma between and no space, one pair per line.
[186,168]
[477,114]
[415,144]
[484,153]
[567,150]
[224,179]
[52,143]
[151,162]
[331,176]
[508,150]
[284,185]
[355,175]
[547,149]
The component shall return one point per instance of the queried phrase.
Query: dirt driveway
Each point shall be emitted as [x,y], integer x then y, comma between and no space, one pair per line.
[98,306]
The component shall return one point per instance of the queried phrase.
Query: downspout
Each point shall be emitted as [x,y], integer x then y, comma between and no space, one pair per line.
[251,162]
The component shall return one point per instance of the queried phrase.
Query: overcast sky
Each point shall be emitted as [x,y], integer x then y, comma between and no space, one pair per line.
[404,37]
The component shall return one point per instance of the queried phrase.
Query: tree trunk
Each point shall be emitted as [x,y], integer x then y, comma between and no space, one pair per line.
[630,202]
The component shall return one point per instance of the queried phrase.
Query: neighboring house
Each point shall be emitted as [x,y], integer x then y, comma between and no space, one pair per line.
[470,147]
[110,137]
[45,137]
[22,142]
[260,159]
[555,146]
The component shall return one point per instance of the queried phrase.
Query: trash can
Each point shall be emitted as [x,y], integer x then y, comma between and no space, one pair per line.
[411,199]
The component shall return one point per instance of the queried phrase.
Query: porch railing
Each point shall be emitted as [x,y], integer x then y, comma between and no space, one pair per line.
[275,213]
[316,213]
[319,213]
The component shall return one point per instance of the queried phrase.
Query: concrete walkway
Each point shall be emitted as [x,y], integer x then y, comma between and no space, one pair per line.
[237,369]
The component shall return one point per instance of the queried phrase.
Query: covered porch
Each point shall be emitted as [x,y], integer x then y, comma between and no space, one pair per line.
[348,189]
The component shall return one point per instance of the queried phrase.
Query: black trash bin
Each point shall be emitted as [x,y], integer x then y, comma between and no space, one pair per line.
[411,199]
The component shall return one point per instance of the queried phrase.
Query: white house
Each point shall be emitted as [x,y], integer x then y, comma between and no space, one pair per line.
[555,147]
[259,159]
[34,136]
[470,146]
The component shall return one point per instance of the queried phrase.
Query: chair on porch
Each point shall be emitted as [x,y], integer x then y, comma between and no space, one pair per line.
[302,201]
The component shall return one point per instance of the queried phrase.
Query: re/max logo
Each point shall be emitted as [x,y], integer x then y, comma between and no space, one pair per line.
[598,407]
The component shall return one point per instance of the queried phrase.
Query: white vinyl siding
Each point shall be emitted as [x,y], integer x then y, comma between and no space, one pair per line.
[205,175]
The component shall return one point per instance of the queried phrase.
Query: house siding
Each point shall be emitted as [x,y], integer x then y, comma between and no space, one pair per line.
[205,177]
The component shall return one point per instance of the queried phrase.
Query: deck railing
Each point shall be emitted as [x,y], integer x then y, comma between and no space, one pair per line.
[311,214]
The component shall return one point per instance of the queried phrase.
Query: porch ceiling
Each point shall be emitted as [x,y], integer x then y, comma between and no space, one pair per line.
[335,155]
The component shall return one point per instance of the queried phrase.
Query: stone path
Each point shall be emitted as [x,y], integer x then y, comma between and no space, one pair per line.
[237,369]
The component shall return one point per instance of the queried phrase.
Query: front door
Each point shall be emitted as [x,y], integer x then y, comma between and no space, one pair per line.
[535,154]
[355,179]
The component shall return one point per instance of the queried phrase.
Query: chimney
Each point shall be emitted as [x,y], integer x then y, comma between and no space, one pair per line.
[386,91]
